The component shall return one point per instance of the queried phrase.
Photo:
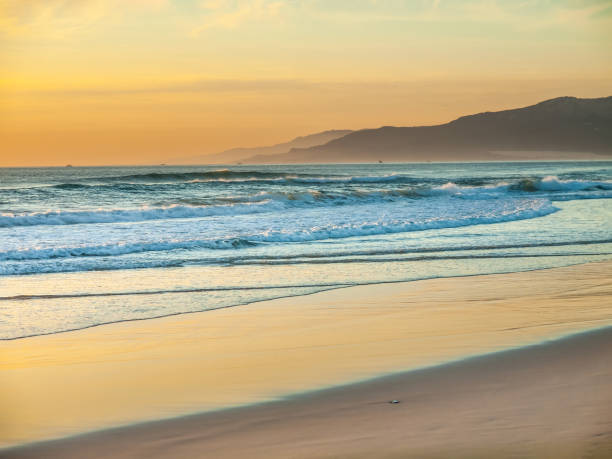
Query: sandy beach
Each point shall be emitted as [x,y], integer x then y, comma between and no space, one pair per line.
[548,400]
[552,400]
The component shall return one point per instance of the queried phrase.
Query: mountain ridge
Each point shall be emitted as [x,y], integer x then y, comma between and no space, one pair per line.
[233,155]
[560,128]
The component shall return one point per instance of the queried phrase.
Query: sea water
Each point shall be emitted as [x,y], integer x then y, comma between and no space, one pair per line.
[81,247]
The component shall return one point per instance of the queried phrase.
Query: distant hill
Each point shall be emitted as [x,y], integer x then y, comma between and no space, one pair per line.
[237,154]
[561,128]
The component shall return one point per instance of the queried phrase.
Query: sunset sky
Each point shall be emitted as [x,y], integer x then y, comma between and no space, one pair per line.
[92,82]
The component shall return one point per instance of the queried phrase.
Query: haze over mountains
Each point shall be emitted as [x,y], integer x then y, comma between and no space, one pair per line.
[238,154]
[561,128]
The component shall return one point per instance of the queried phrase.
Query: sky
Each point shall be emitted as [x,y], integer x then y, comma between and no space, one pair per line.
[101,82]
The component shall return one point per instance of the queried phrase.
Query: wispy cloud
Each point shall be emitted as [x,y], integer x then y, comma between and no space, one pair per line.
[56,19]
[229,14]
[63,18]
[204,85]
[225,86]
[535,13]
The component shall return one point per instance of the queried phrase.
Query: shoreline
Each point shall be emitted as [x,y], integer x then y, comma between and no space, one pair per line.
[324,289]
[361,346]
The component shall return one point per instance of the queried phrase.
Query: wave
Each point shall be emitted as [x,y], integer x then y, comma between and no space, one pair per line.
[417,254]
[546,183]
[115,265]
[199,208]
[105,250]
[325,261]
[550,187]
[549,183]
[159,181]
[70,186]
[229,175]
[179,290]
[402,251]
[517,211]
[225,177]
[221,174]
[129,215]
[554,183]
[253,177]
[238,243]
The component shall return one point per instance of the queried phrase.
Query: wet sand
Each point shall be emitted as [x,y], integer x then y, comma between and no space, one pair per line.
[553,397]
[552,400]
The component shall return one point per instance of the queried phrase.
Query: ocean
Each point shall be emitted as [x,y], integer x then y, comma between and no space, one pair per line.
[86,246]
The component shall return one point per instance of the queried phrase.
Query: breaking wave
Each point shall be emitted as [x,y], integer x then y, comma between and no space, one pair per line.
[386,225]
[121,249]
[221,174]
[228,177]
[550,187]
[553,183]
[129,215]
[232,236]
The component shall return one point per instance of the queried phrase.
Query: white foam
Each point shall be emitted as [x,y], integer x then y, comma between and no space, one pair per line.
[57,217]
[553,183]
[273,201]
[295,226]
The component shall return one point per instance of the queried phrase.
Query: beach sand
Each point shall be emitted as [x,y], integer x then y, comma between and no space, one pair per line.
[550,400]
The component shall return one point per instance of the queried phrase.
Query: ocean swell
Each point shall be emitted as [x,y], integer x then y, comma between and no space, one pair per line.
[130,215]
[507,211]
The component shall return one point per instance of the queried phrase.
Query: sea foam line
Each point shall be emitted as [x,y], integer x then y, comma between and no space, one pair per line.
[269,201]
[521,211]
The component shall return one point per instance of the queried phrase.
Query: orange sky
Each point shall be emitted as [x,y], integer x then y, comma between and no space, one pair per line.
[92,82]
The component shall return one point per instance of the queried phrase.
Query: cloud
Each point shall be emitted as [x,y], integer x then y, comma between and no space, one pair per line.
[581,12]
[62,18]
[205,85]
[48,18]
[294,85]
[57,19]
[538,14]
[527,14]
[229,14]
